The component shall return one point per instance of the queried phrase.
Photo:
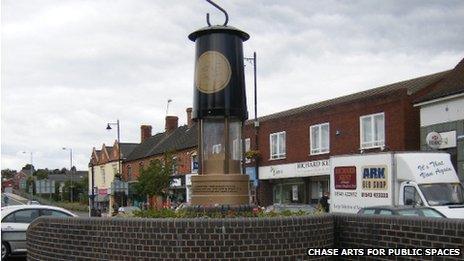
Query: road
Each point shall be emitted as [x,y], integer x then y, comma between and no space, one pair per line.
[16,200]
[11,201]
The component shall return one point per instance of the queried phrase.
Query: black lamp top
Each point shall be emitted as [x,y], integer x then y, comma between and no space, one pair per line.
[218,29]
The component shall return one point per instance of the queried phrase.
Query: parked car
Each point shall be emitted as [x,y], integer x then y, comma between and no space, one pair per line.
[127,211]
[33,202]
[411,211]
[290,207]
[16,220]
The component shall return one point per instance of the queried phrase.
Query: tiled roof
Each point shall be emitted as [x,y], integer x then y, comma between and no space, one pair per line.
[127,148]
[452,84]
[143,148]
[411,86]
[179,139]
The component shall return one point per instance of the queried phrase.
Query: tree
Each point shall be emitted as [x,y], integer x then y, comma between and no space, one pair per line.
[28,167]
[41,174]
[8,173]
[155,179]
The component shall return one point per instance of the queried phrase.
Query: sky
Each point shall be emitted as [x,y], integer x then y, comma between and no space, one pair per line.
[70,67]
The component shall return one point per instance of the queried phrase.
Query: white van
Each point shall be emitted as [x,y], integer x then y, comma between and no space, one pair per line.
[396,178]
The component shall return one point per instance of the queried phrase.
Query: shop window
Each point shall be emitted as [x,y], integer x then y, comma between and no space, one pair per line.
[103,175]
[286,193]
[319,138]
[372,130]
[277,142]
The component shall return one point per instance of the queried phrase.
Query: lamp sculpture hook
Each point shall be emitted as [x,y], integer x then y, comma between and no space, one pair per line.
[222,10]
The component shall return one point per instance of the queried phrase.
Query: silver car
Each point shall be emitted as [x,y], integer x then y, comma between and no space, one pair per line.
[16,219]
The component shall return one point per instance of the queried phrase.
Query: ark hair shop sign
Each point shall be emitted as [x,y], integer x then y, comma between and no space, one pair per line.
[295,170]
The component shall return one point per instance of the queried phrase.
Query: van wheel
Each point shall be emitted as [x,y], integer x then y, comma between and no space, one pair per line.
[5,250]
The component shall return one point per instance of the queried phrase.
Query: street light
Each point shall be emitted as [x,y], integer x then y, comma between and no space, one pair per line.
[256,123]
[70,170]
[24,152]
[108,127]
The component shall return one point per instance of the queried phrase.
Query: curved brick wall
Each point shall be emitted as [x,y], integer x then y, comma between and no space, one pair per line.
[163,239]
[362,231]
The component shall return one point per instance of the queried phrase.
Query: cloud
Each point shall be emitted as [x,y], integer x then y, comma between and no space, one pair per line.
[69,67]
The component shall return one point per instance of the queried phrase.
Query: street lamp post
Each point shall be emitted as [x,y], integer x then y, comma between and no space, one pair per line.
[108,127]
[256,123]
[31,171]
[70,171]
[24,152]
[92,196]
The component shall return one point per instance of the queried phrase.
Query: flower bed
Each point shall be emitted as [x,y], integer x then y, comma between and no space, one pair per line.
[216,213]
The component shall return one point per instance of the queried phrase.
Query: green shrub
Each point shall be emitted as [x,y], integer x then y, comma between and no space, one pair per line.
[213,213]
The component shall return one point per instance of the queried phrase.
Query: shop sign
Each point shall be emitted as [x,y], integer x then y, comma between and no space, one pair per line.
[194,167]
[374,178]
[448,139]
[316,167]
[176,182]
[345,177]
[433,140]
[295,170]
[441,140]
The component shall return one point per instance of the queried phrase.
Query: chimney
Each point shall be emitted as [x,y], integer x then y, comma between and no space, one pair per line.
[189,117]
[171,123]
[145,132]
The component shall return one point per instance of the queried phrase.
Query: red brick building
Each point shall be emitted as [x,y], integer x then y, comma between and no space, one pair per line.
[181,141]
[295,145]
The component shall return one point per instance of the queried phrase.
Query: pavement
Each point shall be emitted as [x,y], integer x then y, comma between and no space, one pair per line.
[13,199]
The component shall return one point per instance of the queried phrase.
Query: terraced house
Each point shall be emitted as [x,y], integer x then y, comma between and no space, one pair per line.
[181,141]
[103,168]
[295,145]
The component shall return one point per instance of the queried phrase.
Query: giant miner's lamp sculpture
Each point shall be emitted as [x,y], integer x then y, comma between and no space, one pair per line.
[219,107]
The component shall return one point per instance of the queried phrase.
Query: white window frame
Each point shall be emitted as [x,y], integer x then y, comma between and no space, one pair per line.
[192,157]
[319,150]
[103,174]
[276,155]
[373,143]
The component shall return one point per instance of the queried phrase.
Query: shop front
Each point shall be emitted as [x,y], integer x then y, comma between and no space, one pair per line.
[297,183]
[177,190]
[102,200]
